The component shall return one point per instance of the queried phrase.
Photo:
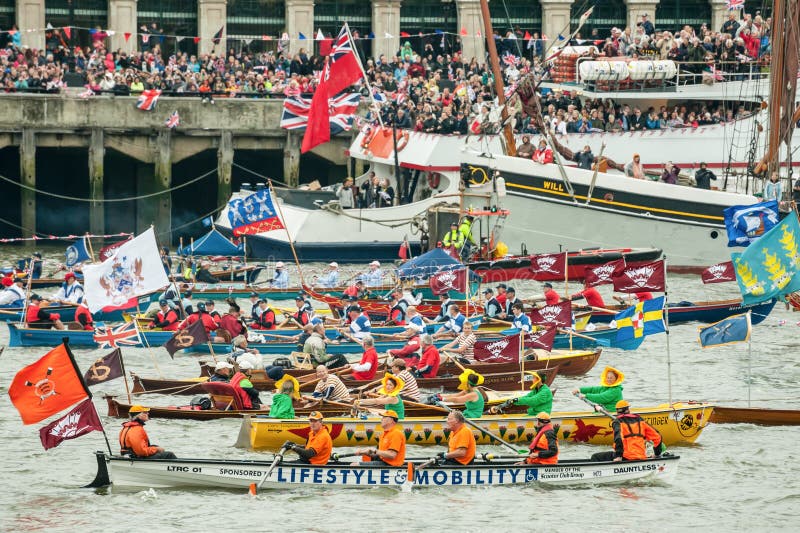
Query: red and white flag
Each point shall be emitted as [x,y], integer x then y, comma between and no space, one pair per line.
[504,350]
[173,121]
[541,338]
[318,130]
[148,99]
[549,266]
[559,314]
[345,68]
[81,420]
[449,280]
[603,274]
[719,273]
[647,277]
[125,335]
[108,251]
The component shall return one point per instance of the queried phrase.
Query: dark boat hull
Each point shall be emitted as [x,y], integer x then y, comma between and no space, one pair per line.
[756,415]
[708,312]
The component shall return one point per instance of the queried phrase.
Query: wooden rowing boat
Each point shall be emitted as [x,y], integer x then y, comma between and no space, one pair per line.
[756,415]
[240,474]
[707,312]
[680,424]
[506,381]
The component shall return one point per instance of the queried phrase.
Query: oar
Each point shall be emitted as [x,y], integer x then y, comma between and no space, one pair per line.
[454,361]
[278,458]
[489,457]
[485,432]
[601,342]
[336,457]
[597,407]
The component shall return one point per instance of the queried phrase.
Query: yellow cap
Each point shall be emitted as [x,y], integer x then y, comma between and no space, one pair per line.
[390,413]
[315,415]
[138,409]
[622,404]
[543,416]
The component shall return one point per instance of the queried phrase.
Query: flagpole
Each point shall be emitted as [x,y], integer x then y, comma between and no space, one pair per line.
[288,235]
[124,374]
[749,356]
[666,330]
[364,72]
[143,339]
[521,358]
[89,244]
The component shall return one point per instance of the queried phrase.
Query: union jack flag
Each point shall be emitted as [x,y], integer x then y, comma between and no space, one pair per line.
[734,4]
[510,59]
[173,121]
[342,110]
[147,100]
[124,335]
[345,66]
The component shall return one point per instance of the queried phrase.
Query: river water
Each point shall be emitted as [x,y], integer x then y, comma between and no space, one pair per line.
[736,477]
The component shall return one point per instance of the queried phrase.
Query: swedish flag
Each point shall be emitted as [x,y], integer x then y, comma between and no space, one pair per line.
[728,331]
[644,318]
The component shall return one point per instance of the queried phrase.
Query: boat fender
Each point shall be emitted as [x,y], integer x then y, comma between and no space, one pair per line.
[369,134]
[402,140]
[434,179]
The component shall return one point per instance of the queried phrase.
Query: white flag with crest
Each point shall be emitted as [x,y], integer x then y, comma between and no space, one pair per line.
[134,269]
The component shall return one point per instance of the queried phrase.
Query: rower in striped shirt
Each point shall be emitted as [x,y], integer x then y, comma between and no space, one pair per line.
[330,387]
[464,344]
[410,389]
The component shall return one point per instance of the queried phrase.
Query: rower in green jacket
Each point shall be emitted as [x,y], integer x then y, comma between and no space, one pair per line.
[608,393]
[539,399]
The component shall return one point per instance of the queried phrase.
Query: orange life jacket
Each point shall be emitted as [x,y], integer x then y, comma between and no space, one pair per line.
[243,396]
[634,434]
[541,443]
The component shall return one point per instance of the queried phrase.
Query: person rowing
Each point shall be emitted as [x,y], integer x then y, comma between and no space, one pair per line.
[453,325]
[461,444]
[37,317]
[631,434]
[492,307]
[608,393]
[367,367]
[464,344]
[388,396]
[287,389]
[318,447]
[428,365]
[470,395]
[544,446]
[410,388]
[391,448]
[359,324]
[539,399]
[133,439]
[520,320]
[398,310]
[329,387]
[70,292]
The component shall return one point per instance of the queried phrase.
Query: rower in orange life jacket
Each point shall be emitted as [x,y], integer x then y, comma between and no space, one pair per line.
[133,439]
[35,316]
[631,434]
[201,315]
[544,447]
[244,387]
[84,317]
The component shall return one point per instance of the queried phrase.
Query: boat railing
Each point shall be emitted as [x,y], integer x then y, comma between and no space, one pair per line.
[684,74]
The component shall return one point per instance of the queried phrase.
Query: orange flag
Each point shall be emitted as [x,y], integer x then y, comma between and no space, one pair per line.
[47,386]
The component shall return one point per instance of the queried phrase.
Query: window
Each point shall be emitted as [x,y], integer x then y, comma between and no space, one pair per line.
[177,19]
[249,21]
[7,12]
[524,14]
[673,15]
[330,16]
[80,15]
[605,16]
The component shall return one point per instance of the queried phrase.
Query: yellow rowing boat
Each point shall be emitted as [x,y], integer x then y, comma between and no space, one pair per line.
[680,424]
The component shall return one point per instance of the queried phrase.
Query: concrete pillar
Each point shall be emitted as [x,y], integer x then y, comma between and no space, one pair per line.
[162,181]
[224,167]
[97,218]
[291,159]
[385,19]
[27,174]
[719,14]
[211,16]
[122,15]
[555,19]
[300,19]
[470,19]
[30,16]
[637,8]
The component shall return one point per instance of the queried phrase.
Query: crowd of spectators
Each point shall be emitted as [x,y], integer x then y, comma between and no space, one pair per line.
[432,89]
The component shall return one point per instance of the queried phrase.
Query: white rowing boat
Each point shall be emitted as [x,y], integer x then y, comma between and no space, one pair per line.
[211,473]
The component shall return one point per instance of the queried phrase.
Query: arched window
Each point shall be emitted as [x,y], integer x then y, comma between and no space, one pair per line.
[256,24]
[606,15]
[673,15]
[173,18]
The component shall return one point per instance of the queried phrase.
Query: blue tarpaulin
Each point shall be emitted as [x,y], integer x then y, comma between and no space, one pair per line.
[212,243]
[427,264]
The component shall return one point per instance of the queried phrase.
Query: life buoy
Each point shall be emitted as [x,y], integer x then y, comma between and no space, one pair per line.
[402,140]
[434,178]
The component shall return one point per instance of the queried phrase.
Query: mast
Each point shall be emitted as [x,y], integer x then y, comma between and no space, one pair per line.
[783,82]
[508,134]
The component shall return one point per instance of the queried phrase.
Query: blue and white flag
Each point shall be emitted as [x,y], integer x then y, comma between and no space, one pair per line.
[733,329]
[769,268]
[77,253]
[746,223]
[253,214]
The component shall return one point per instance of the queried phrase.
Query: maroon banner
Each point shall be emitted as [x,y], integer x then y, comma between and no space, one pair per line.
[603,274]
[559,314]
[647,277]
[719,273]
[549,265]
[449,280]
[81,420]
[186,338]
[541,338]
[108,251]
[106,368]
[505,350]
